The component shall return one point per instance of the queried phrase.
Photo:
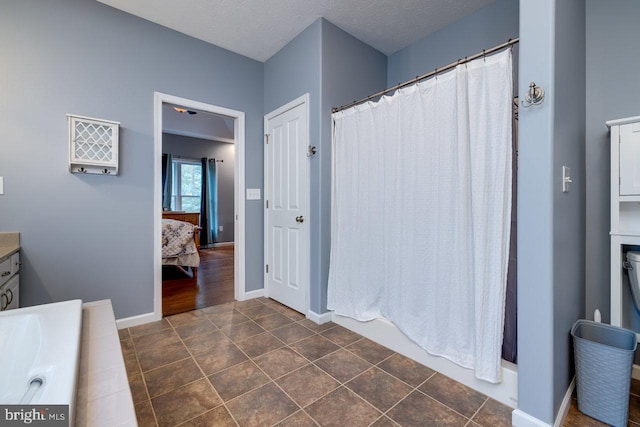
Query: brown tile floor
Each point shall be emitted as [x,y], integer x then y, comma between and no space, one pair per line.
[258,363]
[575,418]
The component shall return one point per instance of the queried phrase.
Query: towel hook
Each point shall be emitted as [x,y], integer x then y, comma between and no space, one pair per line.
[534,96]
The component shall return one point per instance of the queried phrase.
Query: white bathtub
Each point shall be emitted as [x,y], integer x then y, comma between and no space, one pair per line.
[43,342]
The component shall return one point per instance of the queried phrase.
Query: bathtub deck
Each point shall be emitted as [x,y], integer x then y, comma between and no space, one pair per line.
[103,393]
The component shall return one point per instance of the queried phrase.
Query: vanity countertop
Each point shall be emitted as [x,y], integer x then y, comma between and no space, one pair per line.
[9,244]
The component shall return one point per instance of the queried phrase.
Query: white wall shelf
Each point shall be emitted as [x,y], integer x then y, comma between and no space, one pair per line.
[93,145]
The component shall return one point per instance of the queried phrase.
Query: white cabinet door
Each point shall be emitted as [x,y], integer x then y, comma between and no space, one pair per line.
[10,293]
[15,263]
[630,159]
[5,270]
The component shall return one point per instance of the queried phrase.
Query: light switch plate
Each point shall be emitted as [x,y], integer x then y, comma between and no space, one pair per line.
[253,194]
[566,179]
[1,185]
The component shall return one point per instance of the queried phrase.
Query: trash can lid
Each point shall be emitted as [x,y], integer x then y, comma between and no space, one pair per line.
[633,256]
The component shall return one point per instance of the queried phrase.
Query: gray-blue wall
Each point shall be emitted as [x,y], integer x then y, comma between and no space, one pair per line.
[568,208]
[613,67]
[489,26]
[351,70]
[550,223]
[197,148]
[334,68]
[289,74]
[90,236]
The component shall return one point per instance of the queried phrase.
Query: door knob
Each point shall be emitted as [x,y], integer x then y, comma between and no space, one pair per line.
[300,219]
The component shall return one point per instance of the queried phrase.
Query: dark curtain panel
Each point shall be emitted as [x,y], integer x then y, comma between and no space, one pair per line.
[208,203]
[205,233]
[510,333]
[212,175]
[167,181]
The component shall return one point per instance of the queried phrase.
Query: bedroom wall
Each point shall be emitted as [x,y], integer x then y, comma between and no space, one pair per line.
[197,148]
[613,66]
[492,25]
[90,236]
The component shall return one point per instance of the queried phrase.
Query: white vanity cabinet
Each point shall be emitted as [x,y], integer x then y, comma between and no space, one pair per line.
[625,214]
[10,281]
[629,142]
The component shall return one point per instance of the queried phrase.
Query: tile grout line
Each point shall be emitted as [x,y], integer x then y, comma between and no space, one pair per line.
[386,413]
[144,381]
[249,358]
[191,356]
[273,380]
[259,303]
[207,379]
[478,410]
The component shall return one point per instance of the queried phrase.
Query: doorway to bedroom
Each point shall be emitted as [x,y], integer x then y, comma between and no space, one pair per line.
[198,153]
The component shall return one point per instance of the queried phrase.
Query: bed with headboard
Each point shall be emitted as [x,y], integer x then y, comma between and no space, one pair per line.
[181,239]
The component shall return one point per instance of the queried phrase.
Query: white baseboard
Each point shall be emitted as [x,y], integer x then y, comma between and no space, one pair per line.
[140,319]
[522,419]
[387,334]
[129,322]
[566,404]
[319,318]
[223,244]
[252,294]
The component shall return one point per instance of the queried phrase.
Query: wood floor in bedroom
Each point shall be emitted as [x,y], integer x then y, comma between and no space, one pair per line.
[214,284]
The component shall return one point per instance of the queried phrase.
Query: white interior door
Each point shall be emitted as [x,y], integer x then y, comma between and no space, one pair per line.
[286,204]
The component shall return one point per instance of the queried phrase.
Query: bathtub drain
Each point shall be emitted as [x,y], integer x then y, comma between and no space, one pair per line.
[34,386]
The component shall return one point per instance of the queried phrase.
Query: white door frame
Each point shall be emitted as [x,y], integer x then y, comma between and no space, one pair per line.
[302,100]
[239,188]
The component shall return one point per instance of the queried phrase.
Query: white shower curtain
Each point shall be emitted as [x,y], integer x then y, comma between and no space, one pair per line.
[421,212]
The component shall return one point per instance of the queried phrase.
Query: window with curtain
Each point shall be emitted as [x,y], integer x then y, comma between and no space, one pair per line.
[187,185]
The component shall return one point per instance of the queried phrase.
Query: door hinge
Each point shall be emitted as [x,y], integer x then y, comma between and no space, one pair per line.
[267,268]
[267,204]
[266,135]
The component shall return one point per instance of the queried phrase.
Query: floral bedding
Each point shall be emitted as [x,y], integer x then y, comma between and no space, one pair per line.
[177,238]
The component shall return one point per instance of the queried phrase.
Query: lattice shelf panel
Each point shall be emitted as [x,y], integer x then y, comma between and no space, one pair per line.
[93,145]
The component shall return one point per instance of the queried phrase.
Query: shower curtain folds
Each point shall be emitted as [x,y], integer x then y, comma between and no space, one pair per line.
[421,212]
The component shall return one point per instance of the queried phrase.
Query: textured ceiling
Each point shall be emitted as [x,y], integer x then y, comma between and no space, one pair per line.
[258,28]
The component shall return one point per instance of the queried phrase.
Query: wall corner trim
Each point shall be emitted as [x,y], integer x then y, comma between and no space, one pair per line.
[522,419]
[140,319]
[566,404]
[252,294]
[319,318]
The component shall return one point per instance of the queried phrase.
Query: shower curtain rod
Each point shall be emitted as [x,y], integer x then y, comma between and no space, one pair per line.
[466,59]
